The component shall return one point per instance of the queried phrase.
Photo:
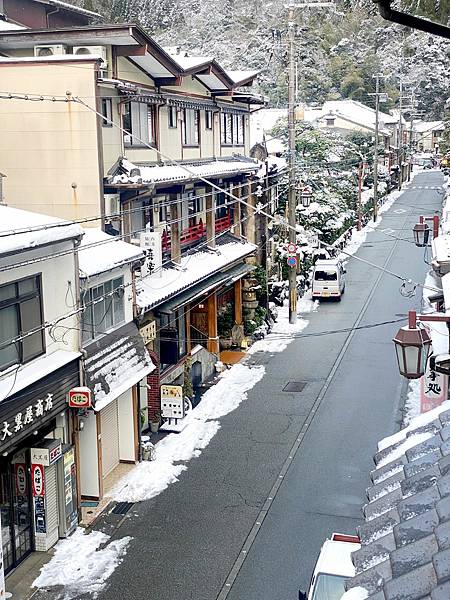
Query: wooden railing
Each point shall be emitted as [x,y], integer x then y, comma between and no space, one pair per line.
[194,233]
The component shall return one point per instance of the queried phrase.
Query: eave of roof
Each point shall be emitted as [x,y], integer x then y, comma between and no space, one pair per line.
[72,8]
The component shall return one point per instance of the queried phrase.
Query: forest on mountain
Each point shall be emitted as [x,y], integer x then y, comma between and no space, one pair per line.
[338,50]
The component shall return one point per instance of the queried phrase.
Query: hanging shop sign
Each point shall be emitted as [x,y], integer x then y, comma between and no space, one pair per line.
[21,478]
[433,389]
[37,480]
[172,404]
[48,452]
[151,241]
[148,332]
[80,397]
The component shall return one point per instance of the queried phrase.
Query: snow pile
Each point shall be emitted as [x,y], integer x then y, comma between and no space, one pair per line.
[148,479]
[283,333]
[80,566]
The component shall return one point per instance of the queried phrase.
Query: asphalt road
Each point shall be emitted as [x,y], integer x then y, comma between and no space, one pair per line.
[188,542]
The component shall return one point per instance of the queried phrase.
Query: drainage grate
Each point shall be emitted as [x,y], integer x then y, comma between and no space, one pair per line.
[295,386]
[122,508]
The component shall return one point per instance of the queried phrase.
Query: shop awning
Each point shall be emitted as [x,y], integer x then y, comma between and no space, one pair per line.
[218,279]
[115,363]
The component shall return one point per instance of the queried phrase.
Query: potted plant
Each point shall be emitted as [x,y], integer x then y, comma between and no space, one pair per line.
[155,421]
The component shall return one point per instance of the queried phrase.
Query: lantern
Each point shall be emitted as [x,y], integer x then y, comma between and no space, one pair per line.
[421,233]
[412,346]
[305,196]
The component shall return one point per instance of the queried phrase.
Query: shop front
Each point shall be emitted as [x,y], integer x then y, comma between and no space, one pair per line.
[109,431]
[34,441]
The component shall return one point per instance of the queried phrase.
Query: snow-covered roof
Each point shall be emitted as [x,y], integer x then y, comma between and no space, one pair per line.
[275,146]
[169,173]
[17,380]
[109,253]
[23,230]
[424,126]
[115,363]
[184,60]
[240,76]
[353,110]
[154,289]
[8,26]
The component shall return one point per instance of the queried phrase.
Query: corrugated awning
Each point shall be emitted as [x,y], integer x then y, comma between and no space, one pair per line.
[222,278]
[115,363]
[195,103]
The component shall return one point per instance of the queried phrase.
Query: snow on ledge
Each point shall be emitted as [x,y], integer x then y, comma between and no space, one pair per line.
[110,253]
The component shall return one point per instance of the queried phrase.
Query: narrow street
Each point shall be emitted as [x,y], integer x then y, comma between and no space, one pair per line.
[186,540]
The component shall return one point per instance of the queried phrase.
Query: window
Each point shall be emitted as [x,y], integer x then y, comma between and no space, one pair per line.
[232,129]
[221,204]
[208,119]
[107,112]
[330,275]
[191,127]
[329,121]
[226,128]
[21,312]
[104,308]
[139,122]
[173,114]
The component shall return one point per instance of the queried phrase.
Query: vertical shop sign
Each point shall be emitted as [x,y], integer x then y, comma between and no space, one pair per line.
[433,389]
[37,480]
[21,479]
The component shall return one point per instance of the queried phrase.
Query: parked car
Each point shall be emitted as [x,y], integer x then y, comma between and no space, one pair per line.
[333,568]
[328,279]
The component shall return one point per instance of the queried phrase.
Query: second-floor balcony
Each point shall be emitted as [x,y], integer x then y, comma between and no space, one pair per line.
[194,234]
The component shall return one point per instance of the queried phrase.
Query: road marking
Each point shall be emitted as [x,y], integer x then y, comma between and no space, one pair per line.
[399,211]
[234,571]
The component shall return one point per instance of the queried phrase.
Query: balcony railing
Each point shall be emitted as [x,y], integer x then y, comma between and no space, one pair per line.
[195,233]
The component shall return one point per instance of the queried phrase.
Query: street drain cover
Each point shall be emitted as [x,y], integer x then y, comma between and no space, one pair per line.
[295,386]
[122,508]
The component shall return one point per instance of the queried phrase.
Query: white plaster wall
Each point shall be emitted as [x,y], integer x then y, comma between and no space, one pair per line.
[126,427]
[58,288]
[89,457]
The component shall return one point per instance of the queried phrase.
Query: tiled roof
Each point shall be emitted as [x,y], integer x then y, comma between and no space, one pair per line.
[405,540]
[130,173]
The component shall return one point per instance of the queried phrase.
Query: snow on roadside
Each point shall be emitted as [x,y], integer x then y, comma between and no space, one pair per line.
[359,237]
[80,566]
[149,478]
[283,332]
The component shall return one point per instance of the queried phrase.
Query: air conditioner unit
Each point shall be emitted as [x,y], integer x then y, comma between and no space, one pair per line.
[95,50]
[112,204]
[50,50]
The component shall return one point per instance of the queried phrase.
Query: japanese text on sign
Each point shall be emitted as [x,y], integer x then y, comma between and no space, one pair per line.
[22,419]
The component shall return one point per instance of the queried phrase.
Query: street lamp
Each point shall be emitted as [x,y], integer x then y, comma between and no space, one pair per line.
[305,196]
[412,346]
[421,233]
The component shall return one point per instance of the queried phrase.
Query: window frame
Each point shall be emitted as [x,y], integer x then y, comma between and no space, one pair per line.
[106,112]
[208,119]
[172,117]
[139,119]
[191,136]
[16,301]
[89,330]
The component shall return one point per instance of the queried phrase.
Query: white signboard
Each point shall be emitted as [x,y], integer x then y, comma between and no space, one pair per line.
[151,242]
[172,404]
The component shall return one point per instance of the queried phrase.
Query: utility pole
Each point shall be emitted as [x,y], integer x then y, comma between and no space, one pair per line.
[360,178]
[292,199]
[375,153]
[400,138]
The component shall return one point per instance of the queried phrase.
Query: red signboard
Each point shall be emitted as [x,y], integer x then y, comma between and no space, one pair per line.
[80,397]
[21,479]
[37,480]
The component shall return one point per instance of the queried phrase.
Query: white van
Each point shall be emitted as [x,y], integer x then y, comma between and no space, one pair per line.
[328,279]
